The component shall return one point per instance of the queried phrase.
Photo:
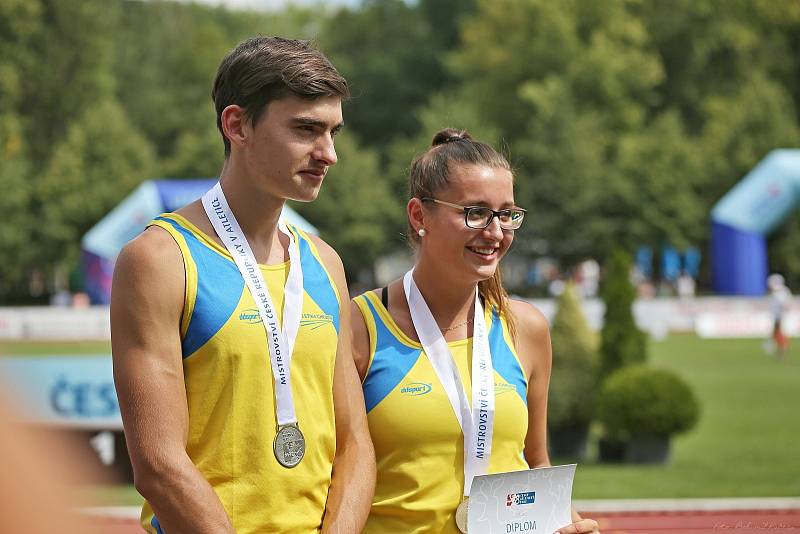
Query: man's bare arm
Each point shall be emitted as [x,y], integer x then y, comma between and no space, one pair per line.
[353,484]
[146,307]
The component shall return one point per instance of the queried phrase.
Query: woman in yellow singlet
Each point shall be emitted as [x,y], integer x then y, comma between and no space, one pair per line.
[461,217]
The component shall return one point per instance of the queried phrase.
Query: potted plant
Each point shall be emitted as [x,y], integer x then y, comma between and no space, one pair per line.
[573,378]
[642,408]
[621,341]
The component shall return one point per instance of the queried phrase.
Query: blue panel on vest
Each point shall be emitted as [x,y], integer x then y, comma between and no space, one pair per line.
[219,289]
[156,525]
[316,282]
[389,366]
[740,261]
[503,359]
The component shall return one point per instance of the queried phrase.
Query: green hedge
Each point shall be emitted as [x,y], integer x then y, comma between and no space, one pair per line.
[641,401]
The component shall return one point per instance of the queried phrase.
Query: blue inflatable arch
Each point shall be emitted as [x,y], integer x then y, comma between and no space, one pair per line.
[745,216]
[103,242]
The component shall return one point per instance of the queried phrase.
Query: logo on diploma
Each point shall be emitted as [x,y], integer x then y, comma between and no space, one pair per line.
[516,499]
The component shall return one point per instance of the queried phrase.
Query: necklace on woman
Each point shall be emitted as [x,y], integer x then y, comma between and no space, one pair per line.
[459,325]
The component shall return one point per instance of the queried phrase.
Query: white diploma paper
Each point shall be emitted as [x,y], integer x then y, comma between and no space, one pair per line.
[531,501]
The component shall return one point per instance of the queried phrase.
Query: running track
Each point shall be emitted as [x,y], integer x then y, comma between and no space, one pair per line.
[717,516]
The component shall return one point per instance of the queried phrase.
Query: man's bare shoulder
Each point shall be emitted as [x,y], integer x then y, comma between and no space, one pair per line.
[328,255]
[147,298]
[152,259]
[153,245]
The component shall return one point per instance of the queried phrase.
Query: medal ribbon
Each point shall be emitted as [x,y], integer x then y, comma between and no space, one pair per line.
[476,423]
[279,340]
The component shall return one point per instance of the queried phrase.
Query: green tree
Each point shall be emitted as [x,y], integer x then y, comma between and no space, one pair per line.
[658,194]
[16,247]
[741,128]
[101,159]
[197,154]
[352,208]
[621,341]
[20,25]
[68,68]
[442,111]
[566,95]
[392,56]
[165,81]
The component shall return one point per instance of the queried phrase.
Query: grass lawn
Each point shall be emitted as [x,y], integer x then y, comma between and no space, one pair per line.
[44,348]
[746,442]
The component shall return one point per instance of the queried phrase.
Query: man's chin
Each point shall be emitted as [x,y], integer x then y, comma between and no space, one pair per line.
[306,196]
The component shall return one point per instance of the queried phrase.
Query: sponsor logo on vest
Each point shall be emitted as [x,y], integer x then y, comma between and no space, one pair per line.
[503,387]
[415,389]
[315,320]
[250,316]
[312,320]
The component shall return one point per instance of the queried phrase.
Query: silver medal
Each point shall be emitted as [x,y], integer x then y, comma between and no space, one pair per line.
[289,446]
[461,515]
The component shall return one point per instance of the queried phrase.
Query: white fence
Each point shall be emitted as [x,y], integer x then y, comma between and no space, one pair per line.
[707,316]
[44,323]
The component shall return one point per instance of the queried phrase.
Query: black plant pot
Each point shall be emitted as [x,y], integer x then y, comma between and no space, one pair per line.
[647,450]
[569,442]
[610,451]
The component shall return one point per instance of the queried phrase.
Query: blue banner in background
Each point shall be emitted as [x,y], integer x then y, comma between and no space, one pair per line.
[72,391]
[691,262]
[670,264]
[644,261]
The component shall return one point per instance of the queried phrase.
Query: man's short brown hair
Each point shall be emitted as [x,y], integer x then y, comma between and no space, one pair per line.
[263,69]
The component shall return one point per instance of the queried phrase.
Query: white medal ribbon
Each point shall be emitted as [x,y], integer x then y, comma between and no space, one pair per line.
[476,423]
[279,340]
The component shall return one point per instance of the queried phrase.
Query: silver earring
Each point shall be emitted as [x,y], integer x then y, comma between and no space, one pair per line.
[421,232]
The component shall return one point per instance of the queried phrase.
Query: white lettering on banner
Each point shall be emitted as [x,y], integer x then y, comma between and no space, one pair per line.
[280,341]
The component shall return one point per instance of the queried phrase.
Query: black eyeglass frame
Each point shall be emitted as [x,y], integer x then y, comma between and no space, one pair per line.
[468,209]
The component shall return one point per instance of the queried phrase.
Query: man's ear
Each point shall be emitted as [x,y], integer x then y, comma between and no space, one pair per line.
[235,125]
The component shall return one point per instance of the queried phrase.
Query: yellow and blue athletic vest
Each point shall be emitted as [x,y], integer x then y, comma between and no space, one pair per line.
[419,445]
[230,391]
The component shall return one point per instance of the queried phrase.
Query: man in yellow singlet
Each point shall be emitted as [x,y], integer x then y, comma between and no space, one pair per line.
[242,408]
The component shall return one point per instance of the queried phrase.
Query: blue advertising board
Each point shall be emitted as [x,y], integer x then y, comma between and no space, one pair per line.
[69,391]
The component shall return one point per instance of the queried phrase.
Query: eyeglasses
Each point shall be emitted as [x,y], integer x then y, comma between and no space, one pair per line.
[479,217]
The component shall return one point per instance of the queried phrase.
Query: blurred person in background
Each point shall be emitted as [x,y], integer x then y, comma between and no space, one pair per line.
[451,317]
[234,421]
[780,297]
